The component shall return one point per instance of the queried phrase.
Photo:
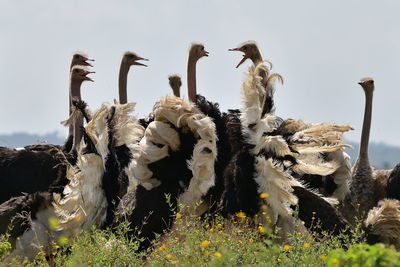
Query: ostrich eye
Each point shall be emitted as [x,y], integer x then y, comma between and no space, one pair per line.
[244,48]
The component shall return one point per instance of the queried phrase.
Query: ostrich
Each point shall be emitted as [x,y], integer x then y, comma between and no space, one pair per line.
[268,160]
[89,197]
[34,169]
[333,184]
[175,83]
[180,133]
[78,59]
[128,59]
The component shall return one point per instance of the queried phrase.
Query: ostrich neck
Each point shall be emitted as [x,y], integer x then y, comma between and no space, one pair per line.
[363,156]
[71,127]
[75,93]
[191,78]
[177,91]
[123,80]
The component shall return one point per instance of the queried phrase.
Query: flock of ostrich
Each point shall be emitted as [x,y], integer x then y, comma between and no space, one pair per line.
[187,156]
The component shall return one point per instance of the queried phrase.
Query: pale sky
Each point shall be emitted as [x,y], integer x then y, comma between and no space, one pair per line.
[322,49]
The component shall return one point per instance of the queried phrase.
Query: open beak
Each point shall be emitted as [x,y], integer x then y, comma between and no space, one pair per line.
[205,53]
[86,78]
[244,56]
[139,63]
[86,63]
[360,82]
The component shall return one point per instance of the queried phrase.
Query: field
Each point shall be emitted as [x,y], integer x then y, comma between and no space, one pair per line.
[213,241]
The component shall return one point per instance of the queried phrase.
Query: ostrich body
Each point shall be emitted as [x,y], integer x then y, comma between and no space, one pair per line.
[333,184]
[90,196]
[36,168]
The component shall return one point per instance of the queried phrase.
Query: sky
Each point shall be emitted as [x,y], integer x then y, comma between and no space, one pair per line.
[321,48]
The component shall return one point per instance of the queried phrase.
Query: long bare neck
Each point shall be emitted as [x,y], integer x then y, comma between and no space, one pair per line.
[75,89]
[191,78]
[71,127]
[123,80]
[176,90]
[363,156]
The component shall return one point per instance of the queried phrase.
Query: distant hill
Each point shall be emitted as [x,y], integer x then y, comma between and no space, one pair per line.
[24,139]
[382,156]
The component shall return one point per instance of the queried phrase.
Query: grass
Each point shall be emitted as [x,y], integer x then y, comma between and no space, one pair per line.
[213,241]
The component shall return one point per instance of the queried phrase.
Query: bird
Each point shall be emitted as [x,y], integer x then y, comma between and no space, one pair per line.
[176,159]
[334,184]
[175,83]
[36,168]
[89,199]
[128,59]
[78,59]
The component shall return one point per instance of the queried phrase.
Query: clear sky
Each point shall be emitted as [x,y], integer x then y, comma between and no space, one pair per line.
[322,48]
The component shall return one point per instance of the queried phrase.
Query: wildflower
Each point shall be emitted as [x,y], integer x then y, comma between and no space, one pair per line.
[220,231]
[162,247]
[178,215]
[217,254]
[54,253]
[240,241]
[322,257]
[204,243]
[251,240]
[306,245]
[279,260]
[335,261]
[264,195]
[211,230]
[287,247]
[313,218]
[261,229]
[313,212]
[173,262]
[241,215]
[63,240]
[264,213]
[41,253]
[169,256]
[53,222]
[219,225]
[264,207]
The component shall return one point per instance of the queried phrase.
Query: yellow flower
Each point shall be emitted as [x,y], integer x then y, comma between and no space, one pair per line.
[169,256]
[306,245]
[63,240]
[302,222]
[241,215]
[279,260]
[162,247]
[261,229]
[264,195]
[178,215]
[322,257]
[173,262]
[211,230]
[53,222]
[217,254]
[335,261]
[312,218]
[219,225]
[41,253]
[251,240]
[287,247]
[240,241]
[54,253]
[264,207]
[204,243]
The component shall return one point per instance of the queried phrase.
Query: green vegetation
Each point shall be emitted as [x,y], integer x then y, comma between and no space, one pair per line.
[213,242]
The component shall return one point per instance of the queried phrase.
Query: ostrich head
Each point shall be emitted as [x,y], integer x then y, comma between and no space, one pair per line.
[80,59]
[79,74]
[367,84]
[250,50]
[130,58]
[197,51]
[175,83]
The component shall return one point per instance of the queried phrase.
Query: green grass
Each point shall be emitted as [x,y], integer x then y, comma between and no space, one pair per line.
[213,242]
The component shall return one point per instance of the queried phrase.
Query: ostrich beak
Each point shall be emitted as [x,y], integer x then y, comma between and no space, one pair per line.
[85,63]
[86,78]
[205,53]
[360,82]
[244,56]
[139,63]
